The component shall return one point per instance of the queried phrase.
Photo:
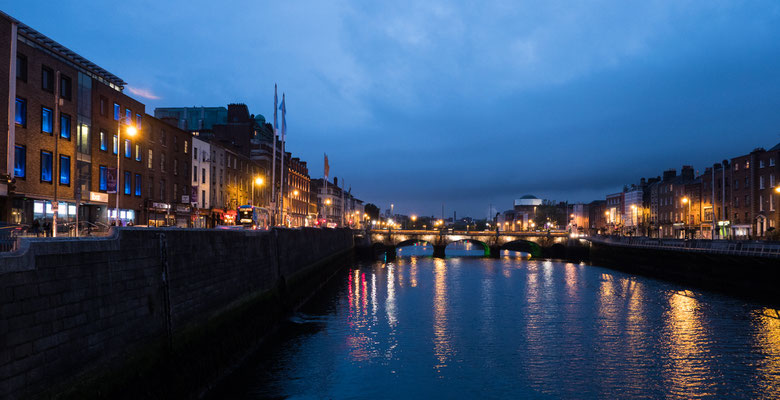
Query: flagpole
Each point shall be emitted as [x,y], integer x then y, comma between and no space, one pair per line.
[273,159]
[281,170]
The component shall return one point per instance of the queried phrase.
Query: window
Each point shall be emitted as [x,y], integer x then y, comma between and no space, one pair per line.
[46,120]
[736,202]
[21,112]
[194,173]
[103,141]
[203,175]
[64,170]
[128,116]
[21,67]
[149,160]
[138,120]
[103,106]
[736,166]
[151,187]
[117,112]
[103,178]
[772,162]
[736,184]
[175,191]
[65,126]
[127,182]
[186,144]
[128,149]
[747,182]
[46,160]
[194,154]
[760,202]
[162,162]
[65,86]
[138,152]
[175,143]
[771,180]
[761,182]
[162,190]
[760,163]
[47,79]
[138,185]
[175,166]
[20,161]
[163,138]
[115,145]
[747,164]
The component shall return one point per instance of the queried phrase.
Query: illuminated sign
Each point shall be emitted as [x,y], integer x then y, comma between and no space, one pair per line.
[98,197]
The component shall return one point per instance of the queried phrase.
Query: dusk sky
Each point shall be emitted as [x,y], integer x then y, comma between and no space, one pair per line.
[466,103]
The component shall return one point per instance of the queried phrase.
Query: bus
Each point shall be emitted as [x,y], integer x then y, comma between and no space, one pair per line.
[254,217]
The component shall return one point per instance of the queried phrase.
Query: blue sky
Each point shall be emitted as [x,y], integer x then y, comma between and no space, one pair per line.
[466,103]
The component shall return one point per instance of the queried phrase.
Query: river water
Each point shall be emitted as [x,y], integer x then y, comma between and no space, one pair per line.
[468,327]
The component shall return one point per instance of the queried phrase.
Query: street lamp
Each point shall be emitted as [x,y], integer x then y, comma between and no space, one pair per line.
[131,131]
[259,182]
[687,215]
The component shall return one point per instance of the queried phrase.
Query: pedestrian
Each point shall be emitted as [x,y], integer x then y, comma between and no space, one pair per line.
[47,229]
[36,227]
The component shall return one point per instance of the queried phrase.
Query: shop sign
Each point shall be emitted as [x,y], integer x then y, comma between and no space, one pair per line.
[185,198]
[161,205]
[98,197]
[182,208]
[724,223]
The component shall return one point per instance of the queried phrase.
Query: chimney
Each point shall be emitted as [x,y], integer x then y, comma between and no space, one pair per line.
[669,174]
[687,172]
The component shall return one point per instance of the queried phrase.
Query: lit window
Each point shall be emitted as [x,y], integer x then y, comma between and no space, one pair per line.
[127,182]
[46,120]
[103,178]
[117,112]
[21,112]
[138,185]
[64,170]
[103,141]
[65,126]
[138,120]
[116,145]
[149,160]
[128,149]
[46,165]
[138,152]
[20,161]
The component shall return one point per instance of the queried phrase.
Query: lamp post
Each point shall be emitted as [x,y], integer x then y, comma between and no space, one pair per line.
[687,214]
[131,130]
[259,182]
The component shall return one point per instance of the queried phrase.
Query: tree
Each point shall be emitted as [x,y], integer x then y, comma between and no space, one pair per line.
[372,210]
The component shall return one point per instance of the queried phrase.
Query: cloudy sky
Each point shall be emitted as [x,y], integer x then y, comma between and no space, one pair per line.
[471,103]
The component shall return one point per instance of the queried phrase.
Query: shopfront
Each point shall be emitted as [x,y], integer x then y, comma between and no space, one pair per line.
[159,214]
[182,215]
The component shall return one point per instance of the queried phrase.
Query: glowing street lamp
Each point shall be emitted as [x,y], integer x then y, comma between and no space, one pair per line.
[131,131]
[259,182]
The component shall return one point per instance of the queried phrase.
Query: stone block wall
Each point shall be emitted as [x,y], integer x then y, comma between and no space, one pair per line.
[70,307]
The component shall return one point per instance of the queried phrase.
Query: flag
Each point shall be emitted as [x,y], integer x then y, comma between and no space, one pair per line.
[327,167]
[283,107]
[111,179]
[276,103]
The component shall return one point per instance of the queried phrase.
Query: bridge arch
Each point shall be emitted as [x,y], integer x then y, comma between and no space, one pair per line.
[525,246]
[484,245]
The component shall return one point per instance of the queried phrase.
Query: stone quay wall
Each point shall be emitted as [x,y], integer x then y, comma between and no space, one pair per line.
[98,314]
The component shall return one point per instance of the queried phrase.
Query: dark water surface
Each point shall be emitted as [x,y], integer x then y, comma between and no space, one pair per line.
[421,327]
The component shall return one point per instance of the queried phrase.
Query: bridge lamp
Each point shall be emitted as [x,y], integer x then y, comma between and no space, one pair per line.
[414,217]
[295,192]
[685,200]
[777,189]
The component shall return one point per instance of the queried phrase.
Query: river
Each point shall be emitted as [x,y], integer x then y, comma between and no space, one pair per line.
[468,327]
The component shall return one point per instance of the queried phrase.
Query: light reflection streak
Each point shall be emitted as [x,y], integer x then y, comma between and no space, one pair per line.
[441,338]
[413,271]
[688,365]
[390,303]
[767,338]
[364,295]
[373,297]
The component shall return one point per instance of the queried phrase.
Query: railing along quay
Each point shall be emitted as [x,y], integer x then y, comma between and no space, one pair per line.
[743,248]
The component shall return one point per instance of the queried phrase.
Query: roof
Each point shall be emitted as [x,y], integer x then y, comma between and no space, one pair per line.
[777,147]
[49,44]
[529,196]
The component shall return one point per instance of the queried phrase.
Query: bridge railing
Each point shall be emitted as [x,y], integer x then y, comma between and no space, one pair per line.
[731,247]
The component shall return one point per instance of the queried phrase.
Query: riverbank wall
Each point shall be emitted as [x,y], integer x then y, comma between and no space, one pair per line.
[754,276]
[149,313]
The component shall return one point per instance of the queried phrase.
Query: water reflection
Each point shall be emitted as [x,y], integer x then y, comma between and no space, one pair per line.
[441,339]
[510,328]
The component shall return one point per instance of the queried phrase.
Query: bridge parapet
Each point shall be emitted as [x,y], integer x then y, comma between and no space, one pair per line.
[443,238]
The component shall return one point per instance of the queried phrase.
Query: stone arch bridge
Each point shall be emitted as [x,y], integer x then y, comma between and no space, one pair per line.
[538,244]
